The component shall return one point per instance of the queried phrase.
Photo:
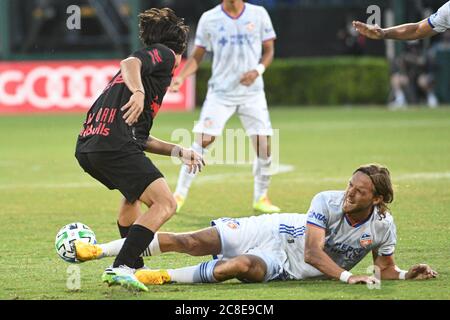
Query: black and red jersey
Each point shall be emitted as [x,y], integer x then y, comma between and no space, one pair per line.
[104,128]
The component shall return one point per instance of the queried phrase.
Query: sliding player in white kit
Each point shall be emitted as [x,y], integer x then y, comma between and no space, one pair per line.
[436,23]
[241,37]
[340,229]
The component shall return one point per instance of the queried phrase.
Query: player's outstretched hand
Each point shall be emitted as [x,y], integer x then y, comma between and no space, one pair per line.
[193,160]
[248,78]
[176,84]
[421,272]
[363,280]
[370,31]
[134,108]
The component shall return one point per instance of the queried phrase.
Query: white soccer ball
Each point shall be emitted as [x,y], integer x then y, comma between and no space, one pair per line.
[66,237]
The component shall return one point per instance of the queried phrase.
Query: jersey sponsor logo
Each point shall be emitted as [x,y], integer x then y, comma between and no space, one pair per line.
[365,240]
[317,217]
[239,39]
[350,253]
[97,123]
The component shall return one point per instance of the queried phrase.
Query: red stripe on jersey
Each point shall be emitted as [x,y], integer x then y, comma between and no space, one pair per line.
[157,57]
[153,57]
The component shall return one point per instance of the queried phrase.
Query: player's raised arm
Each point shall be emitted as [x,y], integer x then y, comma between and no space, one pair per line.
[389,271]
[409,31]
[130,69]
[189,68]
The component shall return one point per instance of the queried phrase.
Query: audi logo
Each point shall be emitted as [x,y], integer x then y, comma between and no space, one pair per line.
[47,87]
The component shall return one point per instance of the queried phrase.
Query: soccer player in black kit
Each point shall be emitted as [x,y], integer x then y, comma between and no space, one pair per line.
[116,133]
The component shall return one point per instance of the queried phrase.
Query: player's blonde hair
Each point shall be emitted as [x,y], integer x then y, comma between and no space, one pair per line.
[381,179]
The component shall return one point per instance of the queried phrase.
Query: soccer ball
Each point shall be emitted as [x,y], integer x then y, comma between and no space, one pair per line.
[66,237]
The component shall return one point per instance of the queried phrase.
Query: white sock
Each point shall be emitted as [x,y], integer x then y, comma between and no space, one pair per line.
[153,248]
[112,249]
[185,178]
[202,273]
[262,174]
[400,98]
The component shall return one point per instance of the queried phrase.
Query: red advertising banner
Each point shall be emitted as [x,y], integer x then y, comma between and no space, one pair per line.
[69,86]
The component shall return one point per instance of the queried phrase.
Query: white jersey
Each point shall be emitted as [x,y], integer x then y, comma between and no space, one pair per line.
[279,239]
[236,44]
[440,21]
[346,243]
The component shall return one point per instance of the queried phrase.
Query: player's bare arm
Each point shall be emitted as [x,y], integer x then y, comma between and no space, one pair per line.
[319,259]
[389,270]
[189,157]
[189,68]
[131,72]
[249,77]
[409,31]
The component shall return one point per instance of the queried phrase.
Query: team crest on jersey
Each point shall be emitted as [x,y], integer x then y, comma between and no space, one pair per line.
[250,26]
[232,225]
[208,122]
[365,240]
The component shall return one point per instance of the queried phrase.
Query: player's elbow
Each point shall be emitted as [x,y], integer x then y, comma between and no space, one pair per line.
[311,256]
[129,63]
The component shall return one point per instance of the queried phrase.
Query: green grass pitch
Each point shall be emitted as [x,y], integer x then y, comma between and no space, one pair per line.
[42,188]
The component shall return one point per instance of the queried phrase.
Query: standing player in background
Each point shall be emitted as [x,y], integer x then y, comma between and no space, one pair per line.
[116,132]
[241,38]
[437,23]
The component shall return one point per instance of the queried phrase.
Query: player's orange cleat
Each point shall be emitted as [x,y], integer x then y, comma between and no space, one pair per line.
[155,277]
[86,251]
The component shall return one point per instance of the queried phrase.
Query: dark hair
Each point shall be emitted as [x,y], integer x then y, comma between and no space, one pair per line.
[163,26]
[381,179]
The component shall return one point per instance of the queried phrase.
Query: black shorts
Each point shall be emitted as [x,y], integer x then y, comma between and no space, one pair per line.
[130,173]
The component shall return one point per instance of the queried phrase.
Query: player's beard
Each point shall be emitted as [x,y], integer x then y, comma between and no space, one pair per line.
[353,208]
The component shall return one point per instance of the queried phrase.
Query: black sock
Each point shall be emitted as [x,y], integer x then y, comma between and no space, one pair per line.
[138,239]
[124,233]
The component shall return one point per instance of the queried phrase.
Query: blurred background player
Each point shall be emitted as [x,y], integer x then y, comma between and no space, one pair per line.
[411,69]
[236,33]
[340,229]
[115,135]
[413,77]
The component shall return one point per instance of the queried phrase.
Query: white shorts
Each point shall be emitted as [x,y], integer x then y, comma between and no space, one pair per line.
[254,116]
[254,236]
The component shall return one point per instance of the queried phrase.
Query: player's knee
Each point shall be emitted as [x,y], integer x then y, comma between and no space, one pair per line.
[168,206]
[243,265]
[171,206]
